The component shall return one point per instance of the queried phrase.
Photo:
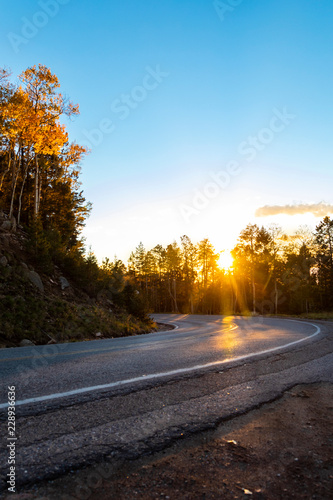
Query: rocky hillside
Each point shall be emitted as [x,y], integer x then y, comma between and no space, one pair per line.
[50,308]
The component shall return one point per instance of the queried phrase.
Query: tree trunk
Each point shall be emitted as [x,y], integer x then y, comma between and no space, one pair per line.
[21,193]
[253,294]
[8,169]
[175,294]
[14,183]
[36,199]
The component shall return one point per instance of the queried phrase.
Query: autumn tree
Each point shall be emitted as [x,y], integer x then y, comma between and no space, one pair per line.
[39,168]
[46,105]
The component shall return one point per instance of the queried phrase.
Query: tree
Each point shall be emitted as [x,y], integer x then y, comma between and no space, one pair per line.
[46,105]
[172,266]
[298,280]
[251,261]
[275,238]
[324,260]
[189,259]
[207,262]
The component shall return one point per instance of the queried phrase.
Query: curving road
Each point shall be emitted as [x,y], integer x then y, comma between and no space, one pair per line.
[45,373]
[101,402]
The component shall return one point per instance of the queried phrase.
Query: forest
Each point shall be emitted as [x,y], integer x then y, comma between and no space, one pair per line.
[271,273]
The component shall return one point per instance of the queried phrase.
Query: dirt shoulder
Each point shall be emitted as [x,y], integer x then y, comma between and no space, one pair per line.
[282,450]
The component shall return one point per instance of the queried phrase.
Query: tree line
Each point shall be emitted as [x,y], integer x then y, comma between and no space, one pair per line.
[272,273]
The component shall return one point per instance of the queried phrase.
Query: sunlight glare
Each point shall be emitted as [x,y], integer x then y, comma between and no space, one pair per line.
[225,260]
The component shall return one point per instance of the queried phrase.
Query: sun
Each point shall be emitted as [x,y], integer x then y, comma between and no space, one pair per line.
[225,260]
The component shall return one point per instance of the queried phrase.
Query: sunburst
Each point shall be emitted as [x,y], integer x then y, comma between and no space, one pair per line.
[225,260]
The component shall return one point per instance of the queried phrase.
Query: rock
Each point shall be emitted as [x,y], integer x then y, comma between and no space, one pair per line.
[24,265]
[36,280]
[9,225]
[6,225]
[3,261]
[26,343]
[63,282]
[98,334]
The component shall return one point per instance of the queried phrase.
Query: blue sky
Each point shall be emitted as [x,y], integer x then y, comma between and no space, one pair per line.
[176,94]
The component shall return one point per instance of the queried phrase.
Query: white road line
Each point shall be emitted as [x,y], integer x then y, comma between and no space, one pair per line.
[163,374]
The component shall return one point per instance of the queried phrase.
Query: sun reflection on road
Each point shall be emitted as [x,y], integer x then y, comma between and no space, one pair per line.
[228,339]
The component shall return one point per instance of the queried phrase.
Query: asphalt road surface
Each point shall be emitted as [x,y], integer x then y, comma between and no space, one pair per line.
[108,400]
[198,342]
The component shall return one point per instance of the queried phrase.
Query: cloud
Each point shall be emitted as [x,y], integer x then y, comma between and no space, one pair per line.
[317,209]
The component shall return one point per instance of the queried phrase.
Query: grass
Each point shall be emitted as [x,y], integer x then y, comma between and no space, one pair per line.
[39,319]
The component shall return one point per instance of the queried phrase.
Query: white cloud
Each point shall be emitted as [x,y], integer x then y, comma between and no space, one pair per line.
[317,209]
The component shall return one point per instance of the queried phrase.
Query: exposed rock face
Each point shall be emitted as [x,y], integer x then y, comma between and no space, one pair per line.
[36,280]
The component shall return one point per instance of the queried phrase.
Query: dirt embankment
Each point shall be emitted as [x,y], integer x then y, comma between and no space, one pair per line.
[42,307]
[283,451]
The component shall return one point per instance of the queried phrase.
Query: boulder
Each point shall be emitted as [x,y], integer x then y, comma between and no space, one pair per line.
[26,343]
[6,225]
[63,282]
[9,225]
[36,280]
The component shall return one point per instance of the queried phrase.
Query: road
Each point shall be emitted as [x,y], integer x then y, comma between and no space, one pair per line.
[198,342]
[89,402]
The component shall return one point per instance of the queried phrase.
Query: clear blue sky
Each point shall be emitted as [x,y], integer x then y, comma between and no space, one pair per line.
[178,90]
